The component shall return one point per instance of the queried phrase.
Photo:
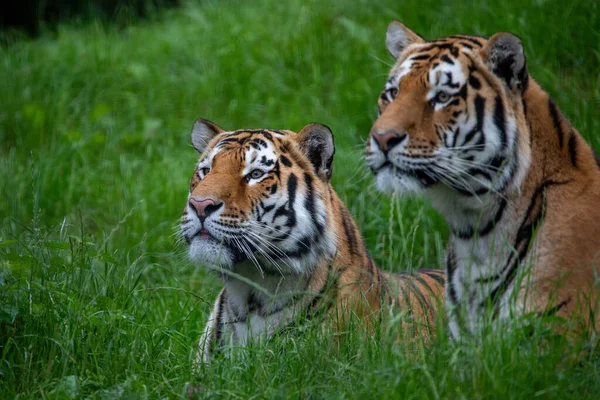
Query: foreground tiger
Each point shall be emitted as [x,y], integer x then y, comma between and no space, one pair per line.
[261,210]
[462,121]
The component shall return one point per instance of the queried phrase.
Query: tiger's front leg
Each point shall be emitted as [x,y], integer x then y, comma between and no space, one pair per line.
[213,331]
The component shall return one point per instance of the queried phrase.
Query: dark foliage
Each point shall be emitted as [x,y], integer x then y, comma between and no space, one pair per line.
[30,15]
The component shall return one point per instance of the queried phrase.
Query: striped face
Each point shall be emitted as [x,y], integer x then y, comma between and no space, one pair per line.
[255,197]
[445,118]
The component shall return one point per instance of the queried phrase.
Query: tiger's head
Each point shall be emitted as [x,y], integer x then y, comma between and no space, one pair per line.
[451,115]
[262,197]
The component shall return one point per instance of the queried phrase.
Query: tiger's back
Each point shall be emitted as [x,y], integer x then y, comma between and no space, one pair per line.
[419,294]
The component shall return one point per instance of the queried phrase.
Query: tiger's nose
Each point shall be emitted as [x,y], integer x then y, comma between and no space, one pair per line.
[204,207]
[387,140]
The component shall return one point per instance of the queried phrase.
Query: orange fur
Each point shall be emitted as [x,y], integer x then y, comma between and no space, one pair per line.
[546,211]
[344,280]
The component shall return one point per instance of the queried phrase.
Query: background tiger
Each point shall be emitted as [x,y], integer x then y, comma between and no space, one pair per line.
[261,210]
[462,121]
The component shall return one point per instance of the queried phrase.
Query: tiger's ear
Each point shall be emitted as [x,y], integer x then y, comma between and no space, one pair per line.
[505,57]
[202,133]
[316,142]
[398,37]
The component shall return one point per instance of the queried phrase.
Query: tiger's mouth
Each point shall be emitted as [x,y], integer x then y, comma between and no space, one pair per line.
[202,234]
[424,173]
[213,246]
[385,165]
[205,234]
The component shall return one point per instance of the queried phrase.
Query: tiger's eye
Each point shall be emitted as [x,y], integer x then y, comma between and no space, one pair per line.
[256,173]
[442,97]
[203,172]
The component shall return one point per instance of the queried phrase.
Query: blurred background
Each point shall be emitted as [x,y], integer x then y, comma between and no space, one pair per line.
[30,17]
[97,102]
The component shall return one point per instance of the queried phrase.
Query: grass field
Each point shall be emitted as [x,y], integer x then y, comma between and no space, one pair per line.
[96,298]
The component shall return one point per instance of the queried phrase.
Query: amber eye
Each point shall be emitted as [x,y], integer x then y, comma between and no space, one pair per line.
[442,97]
[393,92]
[202,172]
[255,174]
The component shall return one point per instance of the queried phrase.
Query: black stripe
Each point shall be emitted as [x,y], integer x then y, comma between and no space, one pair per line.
[309,203]
[438,46]
[497,162]
[285,161]
[554,310]
[487,279]
[231,140]
[277,170]
[556,118]
[404,292]
[447,59]
[486,173]
[419,276]
[287,209]
[474,82]
[522,243]
[531,221]
[425,306]
[259,142]
[492,223]
[450,83]
[420,57]
[303,247]
[434,274]
[219,323]
[462,93]
[479,115]
[252,302]
[331,281]
[349,232]
[469,136]
[500,120]
[468,38]
[267,135]
[292,186]
[450,270]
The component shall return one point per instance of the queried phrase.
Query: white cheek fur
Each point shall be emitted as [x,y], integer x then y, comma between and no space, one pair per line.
[210,253]
[391,183]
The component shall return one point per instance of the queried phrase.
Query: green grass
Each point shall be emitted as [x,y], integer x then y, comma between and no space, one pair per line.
[97,300]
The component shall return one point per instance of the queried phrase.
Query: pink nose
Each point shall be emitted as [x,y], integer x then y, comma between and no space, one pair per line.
[204,207]
[388,139]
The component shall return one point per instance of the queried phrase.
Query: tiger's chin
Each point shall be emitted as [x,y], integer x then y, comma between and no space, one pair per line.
[392,182]
[209,252]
